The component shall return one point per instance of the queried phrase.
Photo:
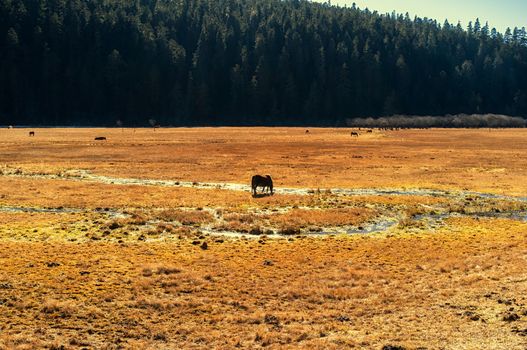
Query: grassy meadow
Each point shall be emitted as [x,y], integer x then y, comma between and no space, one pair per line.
[151,239]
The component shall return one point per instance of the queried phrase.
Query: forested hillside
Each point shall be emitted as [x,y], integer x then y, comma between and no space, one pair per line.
[197,62]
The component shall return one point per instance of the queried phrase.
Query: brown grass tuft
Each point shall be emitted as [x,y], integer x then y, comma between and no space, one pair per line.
[58,308]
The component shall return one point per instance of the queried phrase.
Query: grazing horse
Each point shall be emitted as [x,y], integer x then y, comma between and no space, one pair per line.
[262,181]
[31,133]
[100,138]
[353,133]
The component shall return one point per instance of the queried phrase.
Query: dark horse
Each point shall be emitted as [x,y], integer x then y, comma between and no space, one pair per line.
[262,181]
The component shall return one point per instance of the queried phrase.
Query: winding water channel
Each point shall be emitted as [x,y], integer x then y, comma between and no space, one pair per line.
[383,223]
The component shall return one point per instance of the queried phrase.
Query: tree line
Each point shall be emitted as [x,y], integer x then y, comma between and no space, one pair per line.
[246,62]
[447,121]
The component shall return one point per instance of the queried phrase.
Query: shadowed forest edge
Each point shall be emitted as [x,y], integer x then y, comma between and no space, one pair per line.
[233,62]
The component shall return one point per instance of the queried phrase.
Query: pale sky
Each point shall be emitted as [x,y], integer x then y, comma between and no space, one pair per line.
[499,13]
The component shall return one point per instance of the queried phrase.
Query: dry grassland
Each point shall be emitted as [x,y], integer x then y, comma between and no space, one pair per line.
[91,265]
[480,160]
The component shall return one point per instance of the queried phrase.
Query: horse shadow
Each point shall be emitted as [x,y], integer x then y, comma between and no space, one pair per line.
[261,195]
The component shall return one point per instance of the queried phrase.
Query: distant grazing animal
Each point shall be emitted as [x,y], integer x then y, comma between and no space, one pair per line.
[100,138]
[353,133]
[369,131]
[262,181]
[31,133]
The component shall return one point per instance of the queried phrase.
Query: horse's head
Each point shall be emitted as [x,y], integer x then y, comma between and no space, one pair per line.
[270,182]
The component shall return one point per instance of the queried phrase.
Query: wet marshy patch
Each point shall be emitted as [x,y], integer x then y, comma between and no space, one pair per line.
[332,215]
[318,212]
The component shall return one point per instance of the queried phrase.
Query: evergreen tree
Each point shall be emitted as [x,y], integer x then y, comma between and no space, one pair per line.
[287,62]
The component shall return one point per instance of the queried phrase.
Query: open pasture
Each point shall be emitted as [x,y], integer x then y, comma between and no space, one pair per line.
[481,160]
[151,239]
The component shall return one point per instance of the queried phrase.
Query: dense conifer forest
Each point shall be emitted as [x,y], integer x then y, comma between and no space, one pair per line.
[246,62]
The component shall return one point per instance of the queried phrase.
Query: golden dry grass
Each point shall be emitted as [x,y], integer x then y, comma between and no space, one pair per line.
[141,271]
[479,160]
[449,290]
[331,217]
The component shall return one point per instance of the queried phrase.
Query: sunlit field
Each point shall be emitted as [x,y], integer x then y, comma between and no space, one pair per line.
[151,239]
